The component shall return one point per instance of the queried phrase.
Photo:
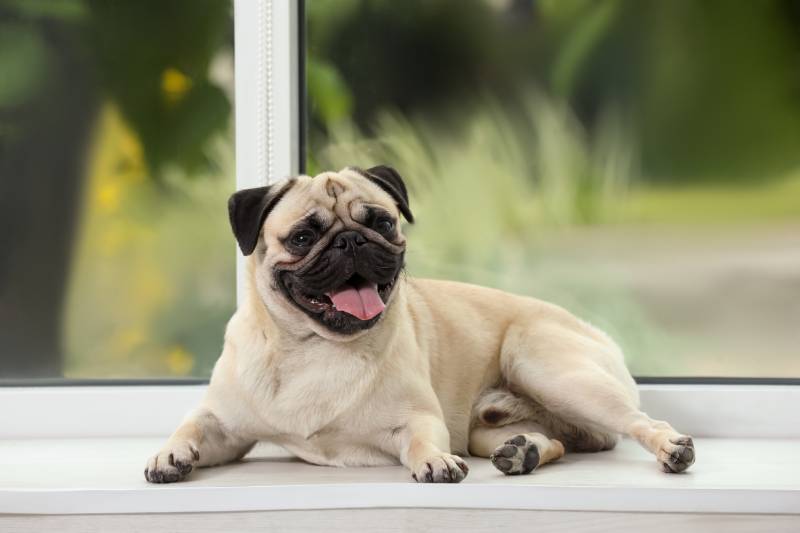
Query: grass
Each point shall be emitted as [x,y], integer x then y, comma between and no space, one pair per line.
[500,199]
[774,201]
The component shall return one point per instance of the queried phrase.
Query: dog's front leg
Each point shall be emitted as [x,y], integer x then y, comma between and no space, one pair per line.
[200,440]
[424,446]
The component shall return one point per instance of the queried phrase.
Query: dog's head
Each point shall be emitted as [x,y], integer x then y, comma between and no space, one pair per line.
[328,249]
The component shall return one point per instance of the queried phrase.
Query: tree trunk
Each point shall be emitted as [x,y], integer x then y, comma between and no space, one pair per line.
[43,147]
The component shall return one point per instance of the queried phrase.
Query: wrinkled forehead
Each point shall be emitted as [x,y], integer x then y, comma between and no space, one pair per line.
[345,195]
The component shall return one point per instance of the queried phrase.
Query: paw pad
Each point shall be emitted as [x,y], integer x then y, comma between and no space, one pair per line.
[679,455]
[518,455]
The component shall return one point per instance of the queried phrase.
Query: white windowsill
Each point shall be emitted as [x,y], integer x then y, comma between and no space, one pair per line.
[88,455]
[104,476]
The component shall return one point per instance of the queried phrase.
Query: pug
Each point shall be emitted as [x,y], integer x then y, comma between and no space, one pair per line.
[339,357]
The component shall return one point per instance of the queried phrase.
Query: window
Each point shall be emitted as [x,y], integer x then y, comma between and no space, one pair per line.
[478,221]
[635,162]
[116,160]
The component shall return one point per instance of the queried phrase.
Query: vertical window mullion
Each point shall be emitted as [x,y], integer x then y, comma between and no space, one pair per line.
[267,96]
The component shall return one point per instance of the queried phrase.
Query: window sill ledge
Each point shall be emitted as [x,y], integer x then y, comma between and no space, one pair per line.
[104,476]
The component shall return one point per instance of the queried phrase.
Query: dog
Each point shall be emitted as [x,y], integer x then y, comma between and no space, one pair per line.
[343,360]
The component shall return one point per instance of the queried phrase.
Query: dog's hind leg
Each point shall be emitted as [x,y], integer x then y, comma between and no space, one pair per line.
[516,448]
[579,377]
[499,407]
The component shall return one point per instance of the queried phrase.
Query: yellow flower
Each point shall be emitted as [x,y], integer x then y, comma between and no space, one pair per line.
[107,197]
[180,361]
[175,84]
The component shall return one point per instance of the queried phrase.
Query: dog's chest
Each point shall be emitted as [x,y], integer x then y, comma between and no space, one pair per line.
[306,392]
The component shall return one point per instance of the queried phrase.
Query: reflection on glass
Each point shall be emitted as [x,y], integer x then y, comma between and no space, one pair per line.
[116,159]
[635,162]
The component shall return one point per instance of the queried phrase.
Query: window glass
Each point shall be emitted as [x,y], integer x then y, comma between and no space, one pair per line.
[116,160]
[637,162]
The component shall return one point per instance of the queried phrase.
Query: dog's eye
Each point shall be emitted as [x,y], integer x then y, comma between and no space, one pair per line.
[302,239]
[384,225]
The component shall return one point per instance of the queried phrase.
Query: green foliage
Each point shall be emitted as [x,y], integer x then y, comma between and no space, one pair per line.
[591,22]
[718,98]
[411,54]
[331,99]
[708,88]
[23,54]
[135,50]
[536,167]
[152,58]
[59,10]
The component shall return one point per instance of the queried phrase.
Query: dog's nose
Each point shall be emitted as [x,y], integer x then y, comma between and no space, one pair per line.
[349,240]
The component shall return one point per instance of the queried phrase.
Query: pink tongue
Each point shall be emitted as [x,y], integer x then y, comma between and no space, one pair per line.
[362,302]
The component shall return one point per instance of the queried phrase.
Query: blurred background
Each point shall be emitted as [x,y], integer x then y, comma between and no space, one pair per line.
[634,161]
[116,162]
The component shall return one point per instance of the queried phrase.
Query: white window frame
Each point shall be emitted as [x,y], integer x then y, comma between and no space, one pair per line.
[267,149]
[267,106]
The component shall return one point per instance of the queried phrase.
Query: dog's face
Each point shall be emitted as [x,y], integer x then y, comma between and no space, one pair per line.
[328,249]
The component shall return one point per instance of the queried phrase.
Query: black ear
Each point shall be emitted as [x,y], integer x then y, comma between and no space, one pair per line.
[248,209]
[390,181]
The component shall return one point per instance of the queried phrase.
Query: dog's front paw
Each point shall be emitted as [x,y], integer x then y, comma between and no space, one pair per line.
[173,463]
[445,468]
[676,454]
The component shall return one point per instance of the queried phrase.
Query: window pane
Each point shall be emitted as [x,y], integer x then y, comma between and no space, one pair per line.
[635,162]
[116,161]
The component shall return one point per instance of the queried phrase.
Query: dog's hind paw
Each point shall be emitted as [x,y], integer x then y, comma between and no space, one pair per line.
[676,455]
[518,455]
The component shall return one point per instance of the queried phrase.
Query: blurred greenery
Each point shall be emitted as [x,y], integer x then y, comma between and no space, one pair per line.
[116,125]
[162,86]
[21,52]
[698,80]
[634,161]
[150,57]
[150,293]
